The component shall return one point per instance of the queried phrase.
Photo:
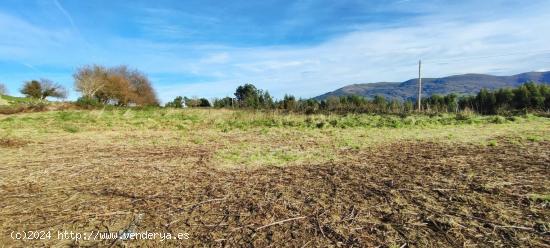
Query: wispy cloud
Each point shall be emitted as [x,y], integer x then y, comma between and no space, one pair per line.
[510,44]
[30,66]
[306,51]
[66,14]
[23,40]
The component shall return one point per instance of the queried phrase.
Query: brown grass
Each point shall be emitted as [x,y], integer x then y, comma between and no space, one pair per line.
[6,142]
[36,107]
[421,194]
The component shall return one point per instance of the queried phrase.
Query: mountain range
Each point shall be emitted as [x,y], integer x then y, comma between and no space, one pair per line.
[459,84]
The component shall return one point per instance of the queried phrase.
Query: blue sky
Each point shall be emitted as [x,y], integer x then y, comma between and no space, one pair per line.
[305,47]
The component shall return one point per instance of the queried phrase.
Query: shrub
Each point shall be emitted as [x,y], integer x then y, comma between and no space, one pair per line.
[498,119]
[88,103]
[20,108]
[71,129]
[464,115]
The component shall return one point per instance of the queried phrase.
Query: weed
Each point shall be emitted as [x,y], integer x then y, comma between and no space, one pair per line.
[534,138]
[498,119]
[492,143]
[545,198]
[71,129]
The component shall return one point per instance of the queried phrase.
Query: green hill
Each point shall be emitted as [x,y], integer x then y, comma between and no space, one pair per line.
[11,100]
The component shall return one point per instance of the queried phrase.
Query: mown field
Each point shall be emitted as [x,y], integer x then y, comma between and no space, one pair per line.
[241,178]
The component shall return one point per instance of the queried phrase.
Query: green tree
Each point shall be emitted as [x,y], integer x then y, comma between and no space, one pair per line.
[43,89]
[265,100]
[451,101]
[486,102]
[536,100]
[32,89]
[333,103]
[176,103]
[545,91]
[310,106]
[191,102]
[226,102]
[203,102]
[380,103]
[248,96]
[521,97]
[409,106]
[289,102]
[504,98]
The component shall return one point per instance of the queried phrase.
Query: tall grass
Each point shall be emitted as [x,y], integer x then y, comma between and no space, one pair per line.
[225,120]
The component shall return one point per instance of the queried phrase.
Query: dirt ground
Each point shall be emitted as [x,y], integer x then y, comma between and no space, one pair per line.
[411,194]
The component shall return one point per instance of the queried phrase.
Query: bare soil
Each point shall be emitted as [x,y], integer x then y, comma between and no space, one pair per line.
[401,195]
[11,142]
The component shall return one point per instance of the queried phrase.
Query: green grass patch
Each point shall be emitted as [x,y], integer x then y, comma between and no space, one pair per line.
[534,138]
[540,197]
[492,143]
[19,100]
[71,129]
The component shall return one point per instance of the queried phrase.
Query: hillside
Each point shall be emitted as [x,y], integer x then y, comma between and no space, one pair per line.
[9,100]
[459,84]
[3,101]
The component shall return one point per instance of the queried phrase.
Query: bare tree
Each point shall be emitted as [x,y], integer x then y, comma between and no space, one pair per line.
[143,92]
[117,85]
[3,89]
[90,79]
[51,89]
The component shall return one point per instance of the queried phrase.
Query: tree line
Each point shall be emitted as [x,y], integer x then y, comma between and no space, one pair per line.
[122,86]
[529,96]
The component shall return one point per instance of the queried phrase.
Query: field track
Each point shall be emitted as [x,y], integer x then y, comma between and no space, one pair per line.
[422,194]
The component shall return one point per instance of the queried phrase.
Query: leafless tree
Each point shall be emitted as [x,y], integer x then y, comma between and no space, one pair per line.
[90,79]
[51,89]
[117,85]
[3,89]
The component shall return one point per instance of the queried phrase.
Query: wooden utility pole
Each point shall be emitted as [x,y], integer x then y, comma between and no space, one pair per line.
[420,85]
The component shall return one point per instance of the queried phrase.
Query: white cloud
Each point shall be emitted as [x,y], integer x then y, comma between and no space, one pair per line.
[449,42]
[216,58]
[21,39]
[504,46]
[65,13]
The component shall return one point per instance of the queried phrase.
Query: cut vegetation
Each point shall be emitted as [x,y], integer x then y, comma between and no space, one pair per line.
[240,178]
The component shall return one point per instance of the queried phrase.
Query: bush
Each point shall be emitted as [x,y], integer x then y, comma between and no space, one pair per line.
[88,103]
[21,108]
[464,115]
[498,119]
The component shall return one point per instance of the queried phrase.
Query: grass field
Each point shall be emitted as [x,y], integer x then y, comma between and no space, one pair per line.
[240,178]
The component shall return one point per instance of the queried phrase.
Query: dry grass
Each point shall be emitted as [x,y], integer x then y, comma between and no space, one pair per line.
[435,186]
[12,142]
